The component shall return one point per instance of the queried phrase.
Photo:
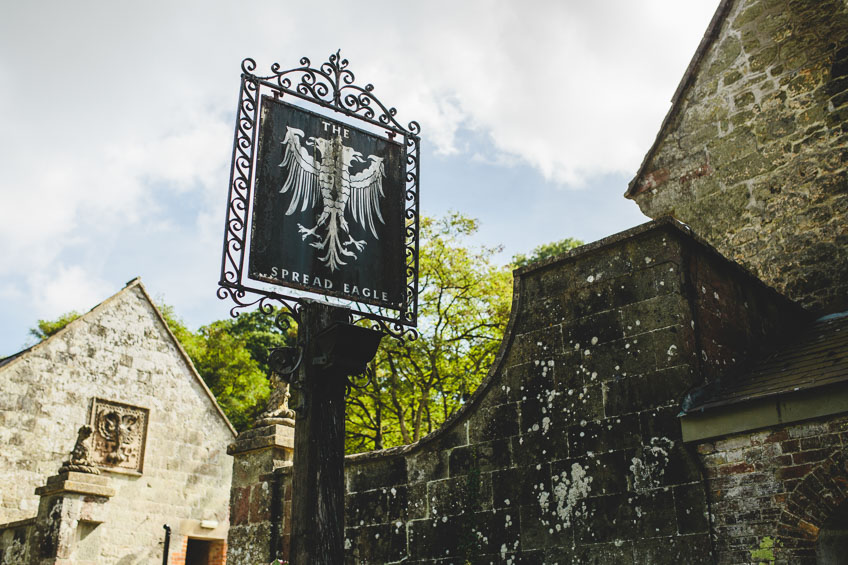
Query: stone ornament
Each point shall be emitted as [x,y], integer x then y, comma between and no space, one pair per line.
[120,435]
[277,411]
[80,460]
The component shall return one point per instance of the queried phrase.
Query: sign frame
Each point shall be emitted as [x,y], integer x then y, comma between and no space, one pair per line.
[330,86]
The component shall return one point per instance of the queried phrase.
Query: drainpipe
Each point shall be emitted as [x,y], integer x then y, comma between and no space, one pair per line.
[167,544]
[276,513]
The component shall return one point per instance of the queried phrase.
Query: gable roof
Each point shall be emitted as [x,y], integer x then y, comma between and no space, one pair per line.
[130,286]
[682,88]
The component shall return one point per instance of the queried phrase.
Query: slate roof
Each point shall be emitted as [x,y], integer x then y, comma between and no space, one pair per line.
[816,357]
[12,357]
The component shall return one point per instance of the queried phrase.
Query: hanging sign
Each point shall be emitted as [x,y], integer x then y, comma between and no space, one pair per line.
[323,197]
[328,207]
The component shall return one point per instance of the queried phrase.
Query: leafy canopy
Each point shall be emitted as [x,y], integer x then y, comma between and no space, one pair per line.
[46,328]
[545,251]
[464,300]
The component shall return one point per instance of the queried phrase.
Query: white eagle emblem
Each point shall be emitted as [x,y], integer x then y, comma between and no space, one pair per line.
[326,172]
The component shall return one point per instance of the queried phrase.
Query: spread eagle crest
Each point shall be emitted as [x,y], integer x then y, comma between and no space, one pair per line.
[324,174]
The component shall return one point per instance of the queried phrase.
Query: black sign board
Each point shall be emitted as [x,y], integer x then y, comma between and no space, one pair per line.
[323,197]
[328,207]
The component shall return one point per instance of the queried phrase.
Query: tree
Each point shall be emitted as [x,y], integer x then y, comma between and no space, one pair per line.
[545,250]
[231,356]
[46,328]
[464,301]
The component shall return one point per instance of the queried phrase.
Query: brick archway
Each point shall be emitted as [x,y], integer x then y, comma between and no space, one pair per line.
[813,500]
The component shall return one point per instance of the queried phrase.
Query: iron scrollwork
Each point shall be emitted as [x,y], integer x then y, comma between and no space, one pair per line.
[331,85]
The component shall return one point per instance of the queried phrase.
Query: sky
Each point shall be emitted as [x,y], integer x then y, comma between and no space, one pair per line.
[117,125]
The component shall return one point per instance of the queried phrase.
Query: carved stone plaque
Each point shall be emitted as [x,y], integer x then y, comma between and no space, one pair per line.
[120,435]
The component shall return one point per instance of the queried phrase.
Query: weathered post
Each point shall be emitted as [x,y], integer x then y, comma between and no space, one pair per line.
[318,472]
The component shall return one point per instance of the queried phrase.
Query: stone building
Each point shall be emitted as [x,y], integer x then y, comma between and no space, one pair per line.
[148,444]
[752,154]
[676,393]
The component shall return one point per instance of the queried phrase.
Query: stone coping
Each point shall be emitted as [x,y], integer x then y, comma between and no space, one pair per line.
[76,483]
[263,437]
[18,523]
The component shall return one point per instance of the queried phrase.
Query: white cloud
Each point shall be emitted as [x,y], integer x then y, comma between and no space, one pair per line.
[112,112]
[66,288]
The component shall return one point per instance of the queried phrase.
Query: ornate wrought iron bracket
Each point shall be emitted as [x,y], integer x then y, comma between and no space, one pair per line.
[331,86]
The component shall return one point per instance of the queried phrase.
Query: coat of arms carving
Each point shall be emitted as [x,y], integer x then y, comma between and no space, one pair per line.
[120,434]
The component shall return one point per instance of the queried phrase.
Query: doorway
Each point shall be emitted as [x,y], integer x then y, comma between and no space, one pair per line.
[197,552]
[832,544]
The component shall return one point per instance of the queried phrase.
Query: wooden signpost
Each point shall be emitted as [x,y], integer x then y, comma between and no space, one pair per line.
[323,202]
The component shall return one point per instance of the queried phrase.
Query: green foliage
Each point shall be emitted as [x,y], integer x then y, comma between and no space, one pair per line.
[464,302]
[765,554]
[46,328]
[546,250]
[232,358]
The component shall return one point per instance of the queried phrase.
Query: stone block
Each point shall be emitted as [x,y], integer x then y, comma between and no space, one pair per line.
[375,474]
[591,330]
[480,457]
[665,387]
[386,540]
[520,485]
[540,531]
[77,483]
[539,446]
[499,422]
[466,493]
[695,549]
[366,508]
[605,519]
[608,471]
[572,406]
[273,436]
[609,434]
[428,465]
[433,538]
[239,505]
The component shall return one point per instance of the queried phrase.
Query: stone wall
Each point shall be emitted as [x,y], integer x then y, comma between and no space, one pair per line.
[14,547]
[754,154]
[781,483]
[260,498]
[571,451]
[121,352]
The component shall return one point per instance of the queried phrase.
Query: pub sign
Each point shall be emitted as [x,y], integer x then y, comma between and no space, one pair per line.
[323,197]
[327,207]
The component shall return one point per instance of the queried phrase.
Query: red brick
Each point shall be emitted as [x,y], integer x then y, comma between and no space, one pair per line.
[240,505]
[774,437]
[260,503]
[783,460]
[790,446]
[811,443]
[736,469]
[706,448]
[811,530]
[793,472]
[815,455]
